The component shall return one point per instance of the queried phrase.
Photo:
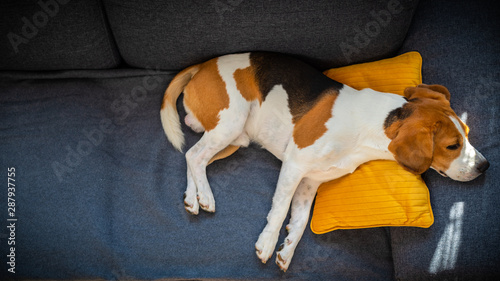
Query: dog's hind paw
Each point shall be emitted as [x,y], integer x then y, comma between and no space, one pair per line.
[206,202]
[190,205]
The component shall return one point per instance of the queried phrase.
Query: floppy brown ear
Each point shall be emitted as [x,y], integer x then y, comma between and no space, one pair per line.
[437,88]
[436,92]
[413,148]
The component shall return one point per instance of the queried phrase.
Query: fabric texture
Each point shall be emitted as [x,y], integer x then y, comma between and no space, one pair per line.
[55,35]
[458,41]
[390,75]
[99,192]
[378,193]
[175,34]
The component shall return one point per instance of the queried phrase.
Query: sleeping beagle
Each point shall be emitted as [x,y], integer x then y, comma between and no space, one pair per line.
[320,129]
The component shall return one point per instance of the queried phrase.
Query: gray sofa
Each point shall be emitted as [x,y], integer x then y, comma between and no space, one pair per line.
[93,190]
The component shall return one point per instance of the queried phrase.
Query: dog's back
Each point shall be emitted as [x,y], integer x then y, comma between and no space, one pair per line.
[266,93]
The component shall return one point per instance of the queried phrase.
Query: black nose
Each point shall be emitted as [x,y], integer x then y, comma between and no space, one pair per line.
[483,166]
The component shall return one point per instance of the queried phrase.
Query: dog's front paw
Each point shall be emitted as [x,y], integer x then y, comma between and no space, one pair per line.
[284,255]
[265,245]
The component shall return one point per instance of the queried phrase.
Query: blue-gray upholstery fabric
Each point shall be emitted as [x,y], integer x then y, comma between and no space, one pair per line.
[99,192]
[458,41]
[174,34]
[55,35]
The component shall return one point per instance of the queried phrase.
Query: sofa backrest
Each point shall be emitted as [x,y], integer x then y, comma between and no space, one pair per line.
[170,35]
[55,35]
[174,34]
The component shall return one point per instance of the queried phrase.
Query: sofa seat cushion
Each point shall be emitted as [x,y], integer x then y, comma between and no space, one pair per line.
[100,191]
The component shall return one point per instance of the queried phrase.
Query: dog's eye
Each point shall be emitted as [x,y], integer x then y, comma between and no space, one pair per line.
[453,147]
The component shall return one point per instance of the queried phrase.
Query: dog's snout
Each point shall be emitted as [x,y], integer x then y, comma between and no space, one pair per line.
[483,166]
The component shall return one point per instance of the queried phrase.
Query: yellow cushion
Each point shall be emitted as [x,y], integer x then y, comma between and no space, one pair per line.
[378,193]
[392,75]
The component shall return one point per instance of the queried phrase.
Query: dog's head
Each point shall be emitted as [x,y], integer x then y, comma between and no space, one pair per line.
[426,133]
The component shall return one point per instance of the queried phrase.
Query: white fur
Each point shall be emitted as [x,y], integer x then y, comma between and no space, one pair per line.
[301,207]
[351,139]
[171,125]
[464,168]
[270,124]
[228,131]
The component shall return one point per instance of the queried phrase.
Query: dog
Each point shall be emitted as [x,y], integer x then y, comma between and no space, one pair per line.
[319,128]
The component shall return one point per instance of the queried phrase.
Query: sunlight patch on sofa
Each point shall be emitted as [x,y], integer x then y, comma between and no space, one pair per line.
[446,254]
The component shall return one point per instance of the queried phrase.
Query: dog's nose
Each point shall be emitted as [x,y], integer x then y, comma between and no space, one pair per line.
[483,166]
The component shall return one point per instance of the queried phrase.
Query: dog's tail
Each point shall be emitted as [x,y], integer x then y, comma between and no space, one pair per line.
[169,116]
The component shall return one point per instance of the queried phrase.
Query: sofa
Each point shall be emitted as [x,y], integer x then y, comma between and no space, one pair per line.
[93,190]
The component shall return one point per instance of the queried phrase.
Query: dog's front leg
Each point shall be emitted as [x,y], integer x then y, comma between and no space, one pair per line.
[301,207]
[290,177]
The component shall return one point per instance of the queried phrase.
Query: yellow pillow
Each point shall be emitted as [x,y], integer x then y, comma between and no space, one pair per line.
[392,75]
[378,193]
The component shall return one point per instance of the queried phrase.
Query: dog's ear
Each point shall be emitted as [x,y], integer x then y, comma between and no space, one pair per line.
[437,88]
[427,91]
[413,147]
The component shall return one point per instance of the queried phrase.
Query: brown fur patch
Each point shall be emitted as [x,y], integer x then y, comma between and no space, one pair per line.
[445,136]
[230,149]
[421,140]
[246,84]
[206,95]
[311,125]
[177,85]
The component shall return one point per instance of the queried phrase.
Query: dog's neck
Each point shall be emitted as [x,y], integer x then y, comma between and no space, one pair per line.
[371,140]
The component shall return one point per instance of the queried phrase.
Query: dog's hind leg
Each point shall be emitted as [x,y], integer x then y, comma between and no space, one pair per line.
[190,201]
[198,192]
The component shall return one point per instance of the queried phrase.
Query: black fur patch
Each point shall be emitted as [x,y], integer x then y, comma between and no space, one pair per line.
[303,83]
[398,114]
